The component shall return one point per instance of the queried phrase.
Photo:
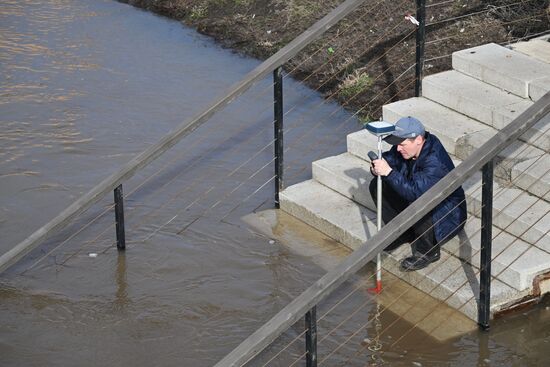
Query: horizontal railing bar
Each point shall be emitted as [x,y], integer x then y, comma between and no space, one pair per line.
[295,310]
[172,138]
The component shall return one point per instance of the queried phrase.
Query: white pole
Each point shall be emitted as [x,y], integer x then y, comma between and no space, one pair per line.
[379,219]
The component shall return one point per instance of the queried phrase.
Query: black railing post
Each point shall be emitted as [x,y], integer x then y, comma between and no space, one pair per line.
[119,218]
[486,244]
[420,40]
[311,337]
[278,130]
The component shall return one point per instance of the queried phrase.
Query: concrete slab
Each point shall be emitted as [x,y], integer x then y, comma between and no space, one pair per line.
[361,142]
[331,213]
[536,48]
[449,279]
[346,174]
[514,211]
[515,262]
[462,135]
[502,67]
[533,175]
[478,100]
[449,126]
[539,88]
[506,161]
[539,135]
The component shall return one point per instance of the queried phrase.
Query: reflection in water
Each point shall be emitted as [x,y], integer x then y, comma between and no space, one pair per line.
[121,297]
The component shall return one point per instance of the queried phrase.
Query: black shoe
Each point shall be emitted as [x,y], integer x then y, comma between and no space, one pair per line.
[418,261]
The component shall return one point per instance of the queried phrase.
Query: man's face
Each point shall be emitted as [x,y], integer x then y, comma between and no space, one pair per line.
[410,148]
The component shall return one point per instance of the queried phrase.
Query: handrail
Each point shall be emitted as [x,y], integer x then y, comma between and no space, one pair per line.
[295,310]
[143,159]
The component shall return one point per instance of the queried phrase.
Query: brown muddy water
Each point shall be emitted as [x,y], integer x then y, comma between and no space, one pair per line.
[86,85]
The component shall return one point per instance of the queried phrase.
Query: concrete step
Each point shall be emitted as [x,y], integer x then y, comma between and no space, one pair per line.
[453,281]
[535,48]
[449,279]
[514,210]
[451,127]
[504,68]
[533,175]
[346,174]
[515,262]
[464,135]
[473,98]
[329,212]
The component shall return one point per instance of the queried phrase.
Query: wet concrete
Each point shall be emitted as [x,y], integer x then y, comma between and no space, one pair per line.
[88,84]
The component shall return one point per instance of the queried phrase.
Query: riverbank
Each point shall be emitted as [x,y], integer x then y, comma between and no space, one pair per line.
[366,60]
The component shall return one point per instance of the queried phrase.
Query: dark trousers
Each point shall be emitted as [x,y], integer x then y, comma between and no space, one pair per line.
[420,235]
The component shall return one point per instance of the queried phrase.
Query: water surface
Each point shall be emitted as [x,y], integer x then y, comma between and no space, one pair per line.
[86,85]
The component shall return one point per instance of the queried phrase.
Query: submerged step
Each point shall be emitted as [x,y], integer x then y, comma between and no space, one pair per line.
[453,281]
[473,98]
[504,68]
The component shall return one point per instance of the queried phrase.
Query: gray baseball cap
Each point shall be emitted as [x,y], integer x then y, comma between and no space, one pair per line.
[405,128]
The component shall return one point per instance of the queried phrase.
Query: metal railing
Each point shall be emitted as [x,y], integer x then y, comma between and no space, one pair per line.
[115,181]
[306,302]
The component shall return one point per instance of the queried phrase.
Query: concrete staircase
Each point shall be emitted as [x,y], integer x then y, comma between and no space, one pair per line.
[488,87]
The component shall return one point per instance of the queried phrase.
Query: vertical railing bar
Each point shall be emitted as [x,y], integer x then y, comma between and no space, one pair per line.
[278,131]
[420,41]
[311,337]
[484,309]
[119,218]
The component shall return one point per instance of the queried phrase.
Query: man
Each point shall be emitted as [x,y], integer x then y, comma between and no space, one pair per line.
[416,162]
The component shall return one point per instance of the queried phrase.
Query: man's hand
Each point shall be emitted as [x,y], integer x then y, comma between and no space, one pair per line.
[380,167]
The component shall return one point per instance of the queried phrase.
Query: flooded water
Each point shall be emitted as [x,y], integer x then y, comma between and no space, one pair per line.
[88,84]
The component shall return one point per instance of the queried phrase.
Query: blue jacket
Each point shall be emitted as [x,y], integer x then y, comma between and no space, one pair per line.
[432,165]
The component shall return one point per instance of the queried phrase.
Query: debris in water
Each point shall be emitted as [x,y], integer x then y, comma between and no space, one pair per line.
[412,19]
[417,364]
[92,254]
[271,242]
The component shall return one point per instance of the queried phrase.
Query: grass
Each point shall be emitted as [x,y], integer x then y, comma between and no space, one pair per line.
[355,83]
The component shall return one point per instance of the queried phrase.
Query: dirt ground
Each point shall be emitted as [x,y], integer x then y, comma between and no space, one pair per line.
[368,58]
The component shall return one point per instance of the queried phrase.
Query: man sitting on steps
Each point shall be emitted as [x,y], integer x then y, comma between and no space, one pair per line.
[416,162]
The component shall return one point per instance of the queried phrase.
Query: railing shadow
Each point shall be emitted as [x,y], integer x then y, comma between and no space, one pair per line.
[465,253]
